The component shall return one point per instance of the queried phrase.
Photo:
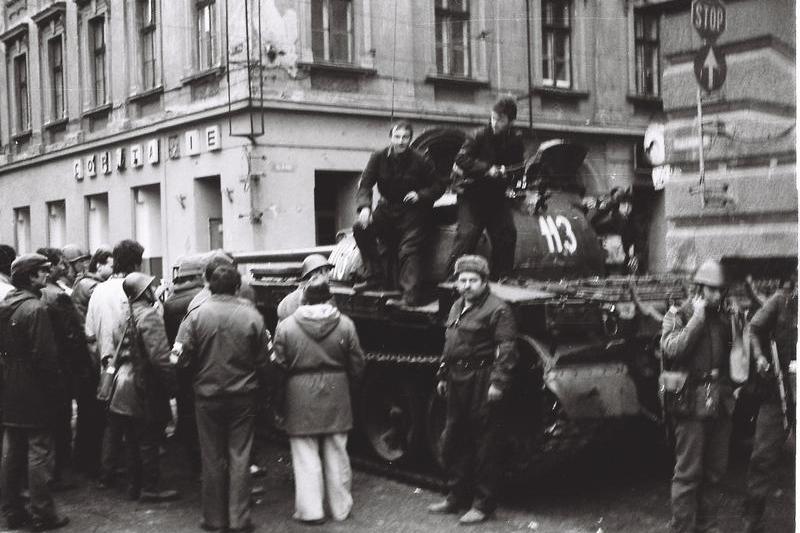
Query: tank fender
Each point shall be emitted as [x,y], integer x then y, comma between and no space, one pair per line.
[587,390]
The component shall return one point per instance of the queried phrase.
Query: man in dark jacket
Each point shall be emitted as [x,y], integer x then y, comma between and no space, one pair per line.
[696,339]
[31,377]
[480,180]
[137,408]
[477,365]
[313,265]
[224,340]
[7,256]
[408,186]
[775,321]
[318,349]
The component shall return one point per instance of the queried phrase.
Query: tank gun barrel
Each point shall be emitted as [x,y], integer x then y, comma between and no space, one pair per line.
[293,254]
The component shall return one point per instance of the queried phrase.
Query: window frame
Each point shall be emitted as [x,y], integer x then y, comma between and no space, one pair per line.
[327,31]
[56,77]
[22,113]
[97,55]
[147,35]
[643,46]
[211,58]
[443,49]
[550,31]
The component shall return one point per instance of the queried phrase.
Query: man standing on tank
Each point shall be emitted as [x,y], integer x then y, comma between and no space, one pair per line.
[696,339]
[477,364]
[408,186]
[480,181]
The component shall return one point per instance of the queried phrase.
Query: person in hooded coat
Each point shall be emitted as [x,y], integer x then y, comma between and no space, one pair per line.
[319,351]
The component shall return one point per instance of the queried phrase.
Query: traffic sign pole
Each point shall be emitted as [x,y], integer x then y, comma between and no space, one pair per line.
[702,165]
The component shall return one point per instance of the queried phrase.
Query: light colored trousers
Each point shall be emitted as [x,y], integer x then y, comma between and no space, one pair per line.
[321,469]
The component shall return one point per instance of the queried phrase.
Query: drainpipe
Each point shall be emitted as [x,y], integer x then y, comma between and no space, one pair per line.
[528,55]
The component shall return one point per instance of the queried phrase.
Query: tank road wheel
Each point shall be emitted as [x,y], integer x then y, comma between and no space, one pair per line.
[391,418]
[434,428]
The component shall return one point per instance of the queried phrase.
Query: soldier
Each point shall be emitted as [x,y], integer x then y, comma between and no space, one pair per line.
[477,364]
[777,320]
[136,409]
[77,262]
[225,340]
[7,256]
[100,268]
[696,339]
[313,265]
[479,180]
[408,186]
[31,376]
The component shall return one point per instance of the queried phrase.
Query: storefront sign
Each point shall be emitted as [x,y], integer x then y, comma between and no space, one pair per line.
[192,142]
[91,166]
[152,152]
[105,163]
[212,139]
[136,155]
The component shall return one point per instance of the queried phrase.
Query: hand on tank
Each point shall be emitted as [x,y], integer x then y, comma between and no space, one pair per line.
[762,365]
[363,217]
[441,388]
[496,171]
[494,394]
[411,198]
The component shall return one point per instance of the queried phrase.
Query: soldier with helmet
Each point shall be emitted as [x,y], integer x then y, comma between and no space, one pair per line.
[696,340]
[313,265]
[136,409]
[77,262]
[478,360]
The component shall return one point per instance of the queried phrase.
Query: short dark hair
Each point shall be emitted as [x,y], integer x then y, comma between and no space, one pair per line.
[403,125]
[54,255]
[506,106]
[99,257]
[7,256]
[225,279]
[127,256]
[211,266]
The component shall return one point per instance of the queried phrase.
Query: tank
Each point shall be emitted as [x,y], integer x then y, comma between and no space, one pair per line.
[585,355]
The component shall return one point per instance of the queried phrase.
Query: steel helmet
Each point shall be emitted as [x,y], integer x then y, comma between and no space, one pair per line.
[73,253]
[710,274]
[312,263]
[135,284]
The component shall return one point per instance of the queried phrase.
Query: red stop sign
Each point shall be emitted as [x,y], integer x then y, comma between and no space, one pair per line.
[709,18]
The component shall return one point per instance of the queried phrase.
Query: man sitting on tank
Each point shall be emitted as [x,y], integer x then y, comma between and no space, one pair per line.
[480,179]
[397,228]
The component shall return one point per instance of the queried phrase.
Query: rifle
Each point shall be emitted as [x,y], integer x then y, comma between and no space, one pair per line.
[515,186]
[776,363]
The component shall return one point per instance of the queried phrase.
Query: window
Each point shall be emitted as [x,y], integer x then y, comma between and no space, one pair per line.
[147,39]
[206,34]
[22,230]
[332,30]
[645,28]
[556,53]
[97,220]
[452,38]
[97,38]
[56,224]
[21,92]
[55,56]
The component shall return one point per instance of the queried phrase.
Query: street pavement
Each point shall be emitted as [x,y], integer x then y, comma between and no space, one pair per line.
[610,487]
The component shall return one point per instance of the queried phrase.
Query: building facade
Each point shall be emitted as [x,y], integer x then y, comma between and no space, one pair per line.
[244,124]
[745,211]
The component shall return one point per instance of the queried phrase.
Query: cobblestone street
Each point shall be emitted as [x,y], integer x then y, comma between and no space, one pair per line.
[606,489]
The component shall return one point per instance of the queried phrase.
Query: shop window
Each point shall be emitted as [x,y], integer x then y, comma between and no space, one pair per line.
[452,21]
[332,30]
[334,203]
[208,213]
[22,230]
[56,224]
[147,226]
[646,42]
[556,43]
[97,220]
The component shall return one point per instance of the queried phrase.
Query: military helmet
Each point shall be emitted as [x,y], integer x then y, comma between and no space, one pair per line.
[312,263]
[73,253]
[710,274]
[135,284]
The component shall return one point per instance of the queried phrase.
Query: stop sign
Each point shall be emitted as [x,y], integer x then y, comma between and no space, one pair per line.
[709,18]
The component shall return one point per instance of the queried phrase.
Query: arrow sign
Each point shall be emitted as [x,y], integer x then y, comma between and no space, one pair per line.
[710,68]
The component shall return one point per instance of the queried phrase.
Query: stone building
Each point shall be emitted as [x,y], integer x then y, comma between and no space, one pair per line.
[194,124]
[746,211]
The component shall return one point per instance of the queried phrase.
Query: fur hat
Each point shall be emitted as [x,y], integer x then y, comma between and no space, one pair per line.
[472,263]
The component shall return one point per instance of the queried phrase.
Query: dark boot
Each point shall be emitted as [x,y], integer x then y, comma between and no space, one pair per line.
[754,515]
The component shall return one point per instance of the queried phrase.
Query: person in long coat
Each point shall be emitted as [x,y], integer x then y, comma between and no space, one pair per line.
[225,343]
[319,350]
[32,378]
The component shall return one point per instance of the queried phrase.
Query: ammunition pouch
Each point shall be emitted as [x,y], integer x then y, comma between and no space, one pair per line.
[684,397]
[675,394]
